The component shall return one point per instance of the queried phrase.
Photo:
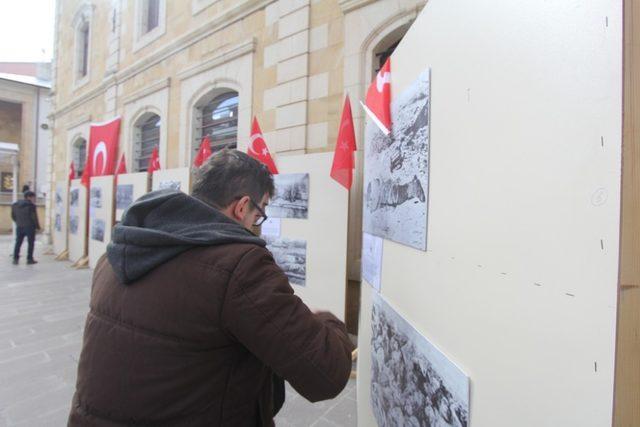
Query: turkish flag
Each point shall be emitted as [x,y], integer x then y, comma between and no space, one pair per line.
[122,166]
[72,171]
[86,174]
[258,148]
[103,148]
[378,100]
[154,161]
[343,162]
[203,153]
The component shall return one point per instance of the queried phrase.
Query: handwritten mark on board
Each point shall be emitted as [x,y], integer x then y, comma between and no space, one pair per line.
[599,197]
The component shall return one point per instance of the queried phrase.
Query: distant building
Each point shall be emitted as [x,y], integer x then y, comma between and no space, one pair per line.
[24,107]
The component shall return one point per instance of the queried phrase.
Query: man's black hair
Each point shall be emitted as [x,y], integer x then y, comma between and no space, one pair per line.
[229,175]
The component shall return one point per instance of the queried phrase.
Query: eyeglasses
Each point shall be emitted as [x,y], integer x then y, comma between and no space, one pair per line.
[263,216]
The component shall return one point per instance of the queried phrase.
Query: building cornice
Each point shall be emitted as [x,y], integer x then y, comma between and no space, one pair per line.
[351,5]
[147,90]
[221,57]
[86,118]
[226,18]
[240,11]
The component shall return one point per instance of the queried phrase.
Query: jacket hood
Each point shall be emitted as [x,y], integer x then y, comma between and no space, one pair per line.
[161,225]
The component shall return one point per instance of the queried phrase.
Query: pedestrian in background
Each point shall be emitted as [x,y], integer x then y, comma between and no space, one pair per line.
[24,214]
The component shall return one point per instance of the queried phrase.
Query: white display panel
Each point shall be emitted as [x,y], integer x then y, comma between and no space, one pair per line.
[59,217]
[518,286]
[324,230]
[78,213]
[129,187]
[100,216]
[179,179]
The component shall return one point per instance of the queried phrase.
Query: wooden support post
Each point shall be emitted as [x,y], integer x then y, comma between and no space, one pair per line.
[62,256]
[626,410]
[81,264]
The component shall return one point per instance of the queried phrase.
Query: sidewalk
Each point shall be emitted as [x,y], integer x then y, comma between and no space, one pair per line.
[42,313]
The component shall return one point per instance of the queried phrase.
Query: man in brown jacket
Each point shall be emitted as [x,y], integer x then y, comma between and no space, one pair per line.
[192,323]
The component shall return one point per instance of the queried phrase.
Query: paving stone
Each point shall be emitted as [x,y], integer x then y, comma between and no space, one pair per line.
[323,422]
[343,413]
[39,406]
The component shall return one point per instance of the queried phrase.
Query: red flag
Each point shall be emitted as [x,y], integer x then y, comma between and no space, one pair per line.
[154,161]
[203,153]
[378,101]
[122,166]
[103,148]
[86,175]
[72,172]
[343,162]
[258,148]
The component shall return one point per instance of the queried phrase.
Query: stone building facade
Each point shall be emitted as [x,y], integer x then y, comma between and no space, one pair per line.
[174,64]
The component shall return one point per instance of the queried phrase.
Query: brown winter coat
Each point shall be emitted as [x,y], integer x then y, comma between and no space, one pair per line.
[196,341]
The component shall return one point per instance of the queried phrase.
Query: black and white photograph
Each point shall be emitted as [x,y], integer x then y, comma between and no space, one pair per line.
[95,197]
[58,198]
[73,224]
[74,196]
[291,256]
[396,178]
[412,382]
[97,230]
[291,198]
[124,196]
[170,184]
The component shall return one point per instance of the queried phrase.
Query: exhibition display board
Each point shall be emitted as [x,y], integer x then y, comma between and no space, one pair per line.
[78,210]
[307,230]
[177,179]
[100,216]
[502,300]
[59,218]
[129,187]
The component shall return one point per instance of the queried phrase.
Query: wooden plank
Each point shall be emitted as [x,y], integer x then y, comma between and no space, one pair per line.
[627,382]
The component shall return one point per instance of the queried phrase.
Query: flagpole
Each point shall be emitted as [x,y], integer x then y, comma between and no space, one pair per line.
[377,121]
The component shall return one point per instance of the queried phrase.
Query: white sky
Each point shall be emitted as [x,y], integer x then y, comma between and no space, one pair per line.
[26,29]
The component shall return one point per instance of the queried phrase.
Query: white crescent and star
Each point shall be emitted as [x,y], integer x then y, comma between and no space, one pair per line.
[382,79]
[255,137]
[101,148]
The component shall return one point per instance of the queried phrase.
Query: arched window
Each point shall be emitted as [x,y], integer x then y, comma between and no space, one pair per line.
[385,48]
[383,55]
[79,155]
[83,50]
[82,44]
[146,138]
[151,15]
[217,117]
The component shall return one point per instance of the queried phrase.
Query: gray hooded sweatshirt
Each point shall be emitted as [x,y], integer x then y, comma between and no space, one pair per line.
[163,224]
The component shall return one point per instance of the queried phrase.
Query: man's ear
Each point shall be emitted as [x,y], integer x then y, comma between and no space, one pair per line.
[241,208]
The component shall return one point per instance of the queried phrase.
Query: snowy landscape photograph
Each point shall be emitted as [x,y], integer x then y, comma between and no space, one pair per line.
[169,184]
[95,197]
[124,196]
[412,382]
[396,176]
[97,230]
[291,256]
[291,198]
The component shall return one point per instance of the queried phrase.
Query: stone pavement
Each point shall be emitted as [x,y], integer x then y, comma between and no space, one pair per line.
[42,312]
